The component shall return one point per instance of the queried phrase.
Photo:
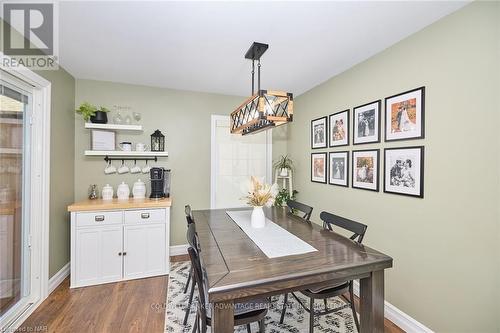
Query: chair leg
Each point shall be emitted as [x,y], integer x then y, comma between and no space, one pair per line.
[195,324]
[283,311]
[353,307]
[188,310]
[189,279]
[311,315]
[262,327]
[326,306]
[249,330]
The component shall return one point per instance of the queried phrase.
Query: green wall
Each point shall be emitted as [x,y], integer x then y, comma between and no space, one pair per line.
[184,119]
[446,246]
[62,151]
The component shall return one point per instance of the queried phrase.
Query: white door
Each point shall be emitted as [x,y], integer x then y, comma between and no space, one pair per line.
[144,250]
[234,159]
[99,255]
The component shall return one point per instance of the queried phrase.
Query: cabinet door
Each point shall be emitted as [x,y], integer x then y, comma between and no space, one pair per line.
[144,246]
[98,255]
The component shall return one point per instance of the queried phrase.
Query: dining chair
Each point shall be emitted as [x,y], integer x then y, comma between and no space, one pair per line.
[325,292]
[190,238]
[245,313]
[305,209]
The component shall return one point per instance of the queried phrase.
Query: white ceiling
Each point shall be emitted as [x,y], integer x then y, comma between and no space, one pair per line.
[200,46]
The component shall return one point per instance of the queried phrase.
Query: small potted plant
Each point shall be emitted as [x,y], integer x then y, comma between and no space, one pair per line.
[92,113]
[283,165]
[283,196]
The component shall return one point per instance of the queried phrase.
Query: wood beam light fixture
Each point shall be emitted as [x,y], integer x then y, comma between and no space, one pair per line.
[265,109]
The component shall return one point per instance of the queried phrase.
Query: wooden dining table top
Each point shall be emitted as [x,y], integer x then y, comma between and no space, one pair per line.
[236,268]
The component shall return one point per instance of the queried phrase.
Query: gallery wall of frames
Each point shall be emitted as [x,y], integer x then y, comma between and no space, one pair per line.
[403,167]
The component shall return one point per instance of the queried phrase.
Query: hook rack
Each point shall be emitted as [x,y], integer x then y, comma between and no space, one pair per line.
[108,159]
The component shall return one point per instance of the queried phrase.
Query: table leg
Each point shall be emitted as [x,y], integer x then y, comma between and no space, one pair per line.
[223,317]
[372,303]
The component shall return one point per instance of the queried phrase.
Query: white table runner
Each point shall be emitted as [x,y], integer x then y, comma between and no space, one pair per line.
[273,240]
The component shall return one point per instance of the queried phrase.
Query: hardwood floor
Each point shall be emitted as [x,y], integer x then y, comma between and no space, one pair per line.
[130,306]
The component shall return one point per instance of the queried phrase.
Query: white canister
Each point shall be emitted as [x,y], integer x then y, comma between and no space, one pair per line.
[107,192]
[123,191]
[139,190]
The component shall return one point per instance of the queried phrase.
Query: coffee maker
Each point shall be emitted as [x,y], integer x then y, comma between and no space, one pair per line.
[160,183]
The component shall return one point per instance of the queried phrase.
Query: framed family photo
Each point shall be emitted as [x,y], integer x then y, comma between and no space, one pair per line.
[404,171]
[339,129]
[365,166]
[318,167]
[319,133]
[339,168]
[404,115]
[366,120]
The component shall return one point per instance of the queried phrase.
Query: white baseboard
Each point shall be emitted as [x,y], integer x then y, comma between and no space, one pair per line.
[178,250]
[58,278]
[398,317]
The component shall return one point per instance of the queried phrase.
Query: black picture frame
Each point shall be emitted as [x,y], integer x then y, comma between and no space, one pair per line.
[347,128]
[325,121]
[325,168]
[377,122]
[419,181]
[376,175]
[387,117]
[346,171]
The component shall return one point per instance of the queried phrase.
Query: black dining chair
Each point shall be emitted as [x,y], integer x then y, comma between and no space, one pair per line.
[190,221]
[334,289]
[298,206]
[244,313]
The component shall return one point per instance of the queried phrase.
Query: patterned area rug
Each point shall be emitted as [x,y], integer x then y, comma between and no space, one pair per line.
[296,319]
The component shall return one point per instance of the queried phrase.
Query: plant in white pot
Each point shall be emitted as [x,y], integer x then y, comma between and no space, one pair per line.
[259,195]
[284,165]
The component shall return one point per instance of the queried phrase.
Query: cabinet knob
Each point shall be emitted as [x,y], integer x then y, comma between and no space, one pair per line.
[99,218]
[145,215]
[124,253]
[119,253]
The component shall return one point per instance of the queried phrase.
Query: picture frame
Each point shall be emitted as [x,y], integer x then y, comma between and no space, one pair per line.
[319,167]
[405,115]
[365,169]
[404,171]
[366,123]
[338,163]
[319,133]
[339,129]
[102,140]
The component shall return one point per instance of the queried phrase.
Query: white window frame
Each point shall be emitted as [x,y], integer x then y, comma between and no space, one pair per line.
[213,176]
[40,185]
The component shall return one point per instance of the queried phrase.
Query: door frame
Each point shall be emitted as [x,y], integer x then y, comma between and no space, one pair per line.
[40,189]
[269,156]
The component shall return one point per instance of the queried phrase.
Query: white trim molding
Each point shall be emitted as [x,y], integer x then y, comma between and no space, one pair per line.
[58,278]
[398,317]
[179,250]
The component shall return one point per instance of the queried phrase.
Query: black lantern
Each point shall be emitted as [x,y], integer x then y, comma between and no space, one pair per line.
[157,141]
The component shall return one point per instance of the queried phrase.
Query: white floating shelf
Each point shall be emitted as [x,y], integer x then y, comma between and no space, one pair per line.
[117,127]
[125,153]
[13,151]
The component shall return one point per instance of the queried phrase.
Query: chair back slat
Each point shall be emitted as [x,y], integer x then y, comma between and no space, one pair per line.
[189,214]
[359,229]
[192,238]
[305,209]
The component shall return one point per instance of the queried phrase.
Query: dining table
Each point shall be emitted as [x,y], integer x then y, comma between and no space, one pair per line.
[236,269]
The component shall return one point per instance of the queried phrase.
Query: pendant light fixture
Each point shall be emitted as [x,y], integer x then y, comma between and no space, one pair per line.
[265,109]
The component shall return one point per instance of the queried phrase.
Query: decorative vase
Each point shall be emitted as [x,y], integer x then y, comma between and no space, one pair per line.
[258,219]
[100,117]
[284,172]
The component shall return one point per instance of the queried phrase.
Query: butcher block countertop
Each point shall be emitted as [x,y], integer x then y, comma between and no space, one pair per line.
[115,204]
